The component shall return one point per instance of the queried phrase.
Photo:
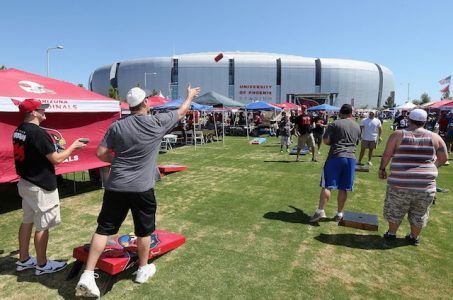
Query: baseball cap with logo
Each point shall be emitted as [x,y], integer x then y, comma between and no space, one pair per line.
[418,114]
[135,96]
[29,105]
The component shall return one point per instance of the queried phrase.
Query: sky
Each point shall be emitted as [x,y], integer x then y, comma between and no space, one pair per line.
[411,38]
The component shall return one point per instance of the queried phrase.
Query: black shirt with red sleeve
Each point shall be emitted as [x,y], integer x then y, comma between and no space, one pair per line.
[31,145]
[304,124]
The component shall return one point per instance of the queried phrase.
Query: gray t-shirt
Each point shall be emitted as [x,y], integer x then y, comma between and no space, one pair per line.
[136,141]
[344,136]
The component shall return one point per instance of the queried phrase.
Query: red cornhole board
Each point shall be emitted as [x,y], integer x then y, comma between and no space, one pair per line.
[168,169]
[121,256]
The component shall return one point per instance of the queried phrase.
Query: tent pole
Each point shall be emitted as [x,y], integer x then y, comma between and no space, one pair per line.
[247,123]
[223,128]
[215,127]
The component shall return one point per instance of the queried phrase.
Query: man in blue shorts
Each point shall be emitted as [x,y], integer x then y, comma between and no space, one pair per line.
[342,135]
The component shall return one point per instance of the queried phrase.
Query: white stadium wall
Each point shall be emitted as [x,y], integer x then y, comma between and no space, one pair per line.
[247,76]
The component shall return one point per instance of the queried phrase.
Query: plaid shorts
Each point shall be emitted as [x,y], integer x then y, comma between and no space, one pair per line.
[400,201]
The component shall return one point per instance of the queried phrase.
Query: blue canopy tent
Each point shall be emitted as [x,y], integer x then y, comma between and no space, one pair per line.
[258,106]
[176,103]
[325,107]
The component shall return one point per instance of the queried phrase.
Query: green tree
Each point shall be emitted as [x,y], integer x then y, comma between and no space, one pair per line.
[425,98]
[80,85]
[154,93]
[2,67]
[390,102]
[114,93]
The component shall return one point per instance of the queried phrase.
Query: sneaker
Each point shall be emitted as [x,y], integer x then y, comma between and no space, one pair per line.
[30,263]
[314,160]
[144,273]
[389,237]
[318,216]
[86,287]
[338,217]
[370,163]
[51,266]
[412,241]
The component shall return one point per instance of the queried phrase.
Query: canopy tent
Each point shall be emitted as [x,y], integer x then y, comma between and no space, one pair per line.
[176,103]
[442,104]
[73,112]
[287,106]
[217,100]
[406,106]
[260,105]
[326,107]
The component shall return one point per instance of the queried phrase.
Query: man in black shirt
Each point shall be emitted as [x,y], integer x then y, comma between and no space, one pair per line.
[35,156]
[304,126]
[320,124]
[401,121]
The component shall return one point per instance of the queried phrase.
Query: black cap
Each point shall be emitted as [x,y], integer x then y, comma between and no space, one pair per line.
[346,109]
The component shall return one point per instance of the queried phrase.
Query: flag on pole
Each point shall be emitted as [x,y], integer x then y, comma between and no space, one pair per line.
[446,80]
[445,89]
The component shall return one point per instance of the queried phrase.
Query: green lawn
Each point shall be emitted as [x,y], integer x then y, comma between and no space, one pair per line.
[244,210]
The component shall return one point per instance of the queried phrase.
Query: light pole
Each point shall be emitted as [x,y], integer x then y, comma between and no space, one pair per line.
[408,89]
[48,60]
[153,73]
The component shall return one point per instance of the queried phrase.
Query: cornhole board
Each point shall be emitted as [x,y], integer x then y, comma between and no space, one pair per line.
[258,141]
[302,152]
[359,221]
[120,253]
[364,168]
[168,169]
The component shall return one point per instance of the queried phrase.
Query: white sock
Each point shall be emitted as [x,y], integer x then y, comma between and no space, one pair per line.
[88,272]
[339,213]
[318,211]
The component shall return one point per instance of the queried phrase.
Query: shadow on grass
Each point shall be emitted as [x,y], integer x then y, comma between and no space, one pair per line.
[58,281]
[286,161]
[12,201]
[297,216]
[358,241]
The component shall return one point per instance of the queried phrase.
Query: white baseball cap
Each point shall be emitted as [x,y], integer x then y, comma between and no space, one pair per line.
[418,114]
[135,96]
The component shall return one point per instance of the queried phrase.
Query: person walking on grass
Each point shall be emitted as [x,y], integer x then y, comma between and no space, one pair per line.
[284,129]
[304,126]
[342,136]
[135,140]
[415,155]
[371,129]
[35,155]
[320,125]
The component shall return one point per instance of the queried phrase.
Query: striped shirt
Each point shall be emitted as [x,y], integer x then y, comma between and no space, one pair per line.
[412,165]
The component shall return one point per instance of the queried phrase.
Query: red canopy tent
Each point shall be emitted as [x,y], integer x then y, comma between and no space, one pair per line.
[74,112]
[287,106]
[441,104]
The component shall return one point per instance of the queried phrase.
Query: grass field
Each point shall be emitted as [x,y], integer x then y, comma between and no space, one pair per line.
[244,210]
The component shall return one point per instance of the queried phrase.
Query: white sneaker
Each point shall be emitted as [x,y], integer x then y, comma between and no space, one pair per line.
[370,163]
[338,217]
[51,266]
[144,273]
[86,287]
[319,215]
[30,263]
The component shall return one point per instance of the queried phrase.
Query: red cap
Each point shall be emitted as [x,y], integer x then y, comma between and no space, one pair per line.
[29,105]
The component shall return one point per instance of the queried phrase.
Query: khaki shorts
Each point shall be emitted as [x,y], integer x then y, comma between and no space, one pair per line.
[400,201]
[40,207]
[305,139]
[368,144]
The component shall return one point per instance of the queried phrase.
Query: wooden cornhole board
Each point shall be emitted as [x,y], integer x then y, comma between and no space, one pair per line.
[364,168]
[359,221]
[168,169]
[121,254]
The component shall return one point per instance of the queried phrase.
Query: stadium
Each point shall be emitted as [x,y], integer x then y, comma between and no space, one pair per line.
[251,76]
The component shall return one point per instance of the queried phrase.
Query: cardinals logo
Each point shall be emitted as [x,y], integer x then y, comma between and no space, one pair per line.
[33,87]
[57,138]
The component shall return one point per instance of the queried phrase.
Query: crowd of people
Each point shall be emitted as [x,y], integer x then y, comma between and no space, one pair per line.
[413,152]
